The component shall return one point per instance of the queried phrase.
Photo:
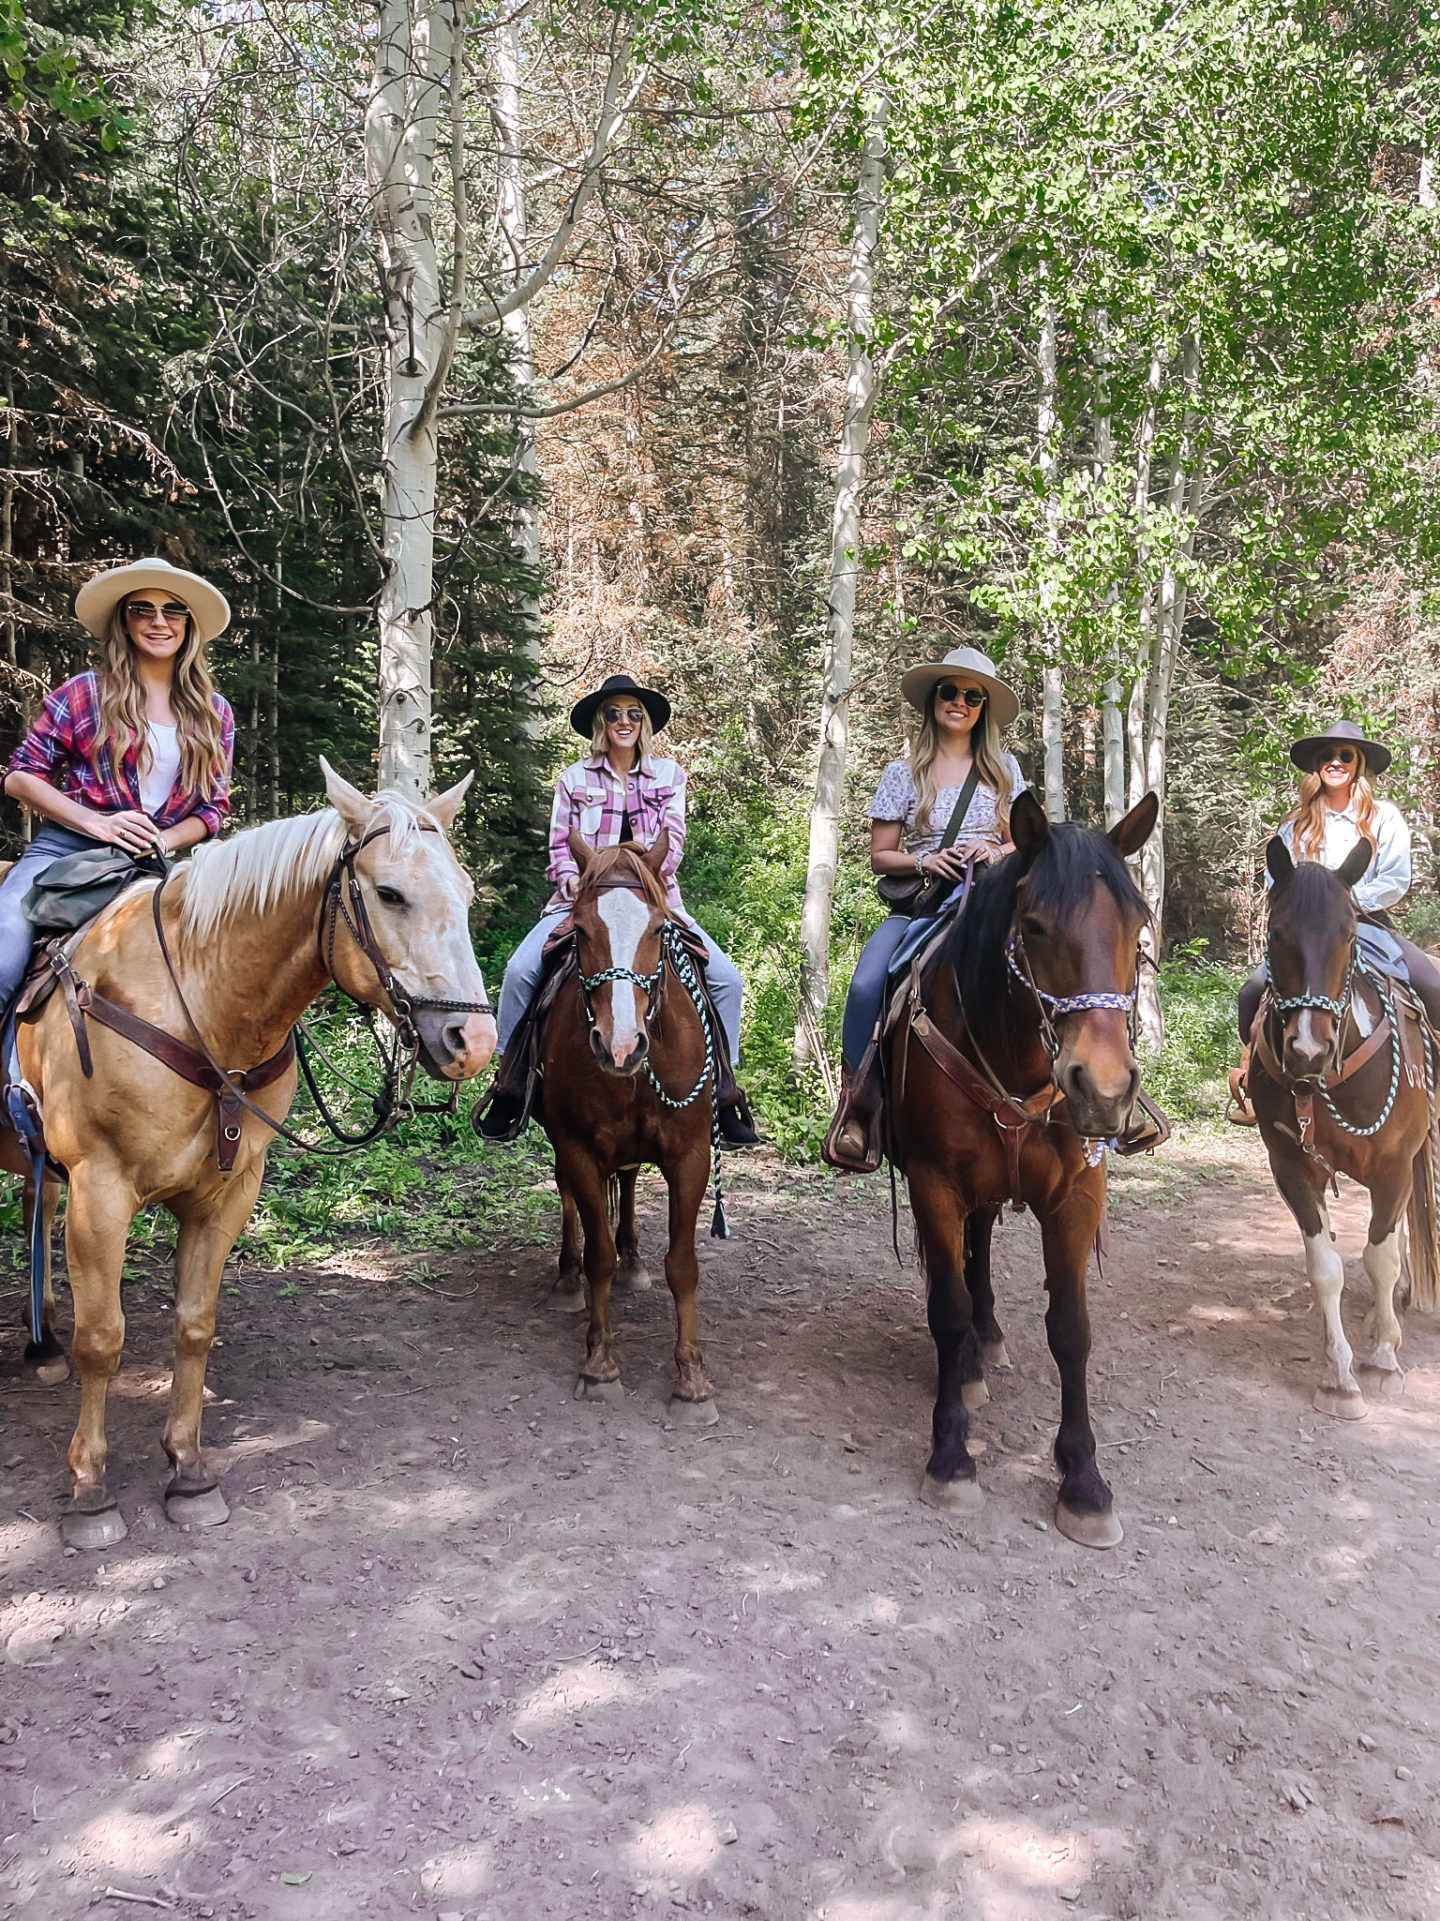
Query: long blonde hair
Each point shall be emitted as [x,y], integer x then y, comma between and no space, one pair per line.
[989,759]
[1308,813]
[597,729]
[192,696]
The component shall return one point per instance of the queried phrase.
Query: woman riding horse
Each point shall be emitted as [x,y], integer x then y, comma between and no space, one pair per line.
[1337,809]
[137,754]
[964,706]
[623,791]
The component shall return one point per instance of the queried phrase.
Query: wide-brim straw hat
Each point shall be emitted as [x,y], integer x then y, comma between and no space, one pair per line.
[1308,753]
[968,664]
[582,714]
[98,598]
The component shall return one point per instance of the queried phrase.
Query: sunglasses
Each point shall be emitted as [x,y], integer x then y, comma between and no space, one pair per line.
[1346,756]
[173,610]
[635,714]
[952,690]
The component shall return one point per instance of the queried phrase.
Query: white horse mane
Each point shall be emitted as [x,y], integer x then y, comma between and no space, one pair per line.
[262,866]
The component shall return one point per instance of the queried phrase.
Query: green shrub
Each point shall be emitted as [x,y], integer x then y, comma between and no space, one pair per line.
[1201,1044]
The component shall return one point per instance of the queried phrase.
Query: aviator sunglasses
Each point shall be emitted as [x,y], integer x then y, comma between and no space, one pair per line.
[173,610]
[635,714]
[952,690]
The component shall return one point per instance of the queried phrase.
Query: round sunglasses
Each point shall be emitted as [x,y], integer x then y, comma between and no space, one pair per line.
[952,690]
[1346,756]
[633,714]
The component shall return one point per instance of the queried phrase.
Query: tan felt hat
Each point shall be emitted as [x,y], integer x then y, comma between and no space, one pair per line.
[966,664]
[98,598]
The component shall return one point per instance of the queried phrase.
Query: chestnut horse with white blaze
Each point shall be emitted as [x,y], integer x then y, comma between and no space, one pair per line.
[368,894]
[623,1024]
[1009,1065]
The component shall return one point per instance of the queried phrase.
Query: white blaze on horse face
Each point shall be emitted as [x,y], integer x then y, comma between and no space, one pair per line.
[626,915]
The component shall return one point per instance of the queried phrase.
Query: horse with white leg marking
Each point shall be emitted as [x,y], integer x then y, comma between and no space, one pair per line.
[1342,1077]
[217,968]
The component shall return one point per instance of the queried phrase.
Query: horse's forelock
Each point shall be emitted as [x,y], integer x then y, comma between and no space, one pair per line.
[1069,861]
[600,871]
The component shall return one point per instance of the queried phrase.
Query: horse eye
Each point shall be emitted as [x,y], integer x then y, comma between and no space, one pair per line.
[390,896]
[1031,928]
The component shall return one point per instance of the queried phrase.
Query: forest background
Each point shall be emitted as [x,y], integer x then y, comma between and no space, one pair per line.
[761,352]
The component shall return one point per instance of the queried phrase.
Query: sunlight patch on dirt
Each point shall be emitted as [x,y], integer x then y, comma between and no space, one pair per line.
[577,1691]
[679,1844]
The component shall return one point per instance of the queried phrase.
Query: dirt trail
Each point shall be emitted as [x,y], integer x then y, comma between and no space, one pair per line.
[469,1648]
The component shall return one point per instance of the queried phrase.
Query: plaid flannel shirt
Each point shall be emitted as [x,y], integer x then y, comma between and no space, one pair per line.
[592,797]
[59,745]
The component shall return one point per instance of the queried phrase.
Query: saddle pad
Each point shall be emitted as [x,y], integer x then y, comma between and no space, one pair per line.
[1382,951]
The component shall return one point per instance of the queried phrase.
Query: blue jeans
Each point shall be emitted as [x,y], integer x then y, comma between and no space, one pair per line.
[17,937]
[867,987]
[522,977]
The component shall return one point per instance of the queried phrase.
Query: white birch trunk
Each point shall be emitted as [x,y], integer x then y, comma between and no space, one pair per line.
[514,230]
[1112,718]
[845,562]
[1149,1015]
[1052,699]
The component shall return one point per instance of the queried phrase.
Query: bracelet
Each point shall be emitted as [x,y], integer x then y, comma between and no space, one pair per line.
[920,865]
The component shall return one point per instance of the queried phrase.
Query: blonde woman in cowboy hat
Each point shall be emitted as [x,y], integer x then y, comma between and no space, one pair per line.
[137,753]
[964,707]
[1336,809]
[622,790]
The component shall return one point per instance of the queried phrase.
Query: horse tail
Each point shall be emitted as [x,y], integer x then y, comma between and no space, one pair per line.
[1422,1229]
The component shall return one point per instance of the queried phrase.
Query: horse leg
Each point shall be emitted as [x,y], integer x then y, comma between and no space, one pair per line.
[979,1227]
[949,1480]
[567,1296]
[599,1376]
[1302,1188]
[1085,1507]
[207,1234]
[633,1271]
[46,1355]
[97,1220]
[1383,1332]
[693,1402]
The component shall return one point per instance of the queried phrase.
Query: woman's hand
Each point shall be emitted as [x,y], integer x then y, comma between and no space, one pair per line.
[983,851]
[945,863]
[135,832]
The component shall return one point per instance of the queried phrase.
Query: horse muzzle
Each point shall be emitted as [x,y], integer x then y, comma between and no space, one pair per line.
[622,1052]
[1310,1048]
[454,1044]
[1100,1085]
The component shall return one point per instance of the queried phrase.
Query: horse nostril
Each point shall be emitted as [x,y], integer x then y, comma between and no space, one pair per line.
[452,1038]
[642,1045]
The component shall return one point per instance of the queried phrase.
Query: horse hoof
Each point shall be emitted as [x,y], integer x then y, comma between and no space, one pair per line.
[207,1509]
[565,1302]
[634,1275]
[53,1373]
[1089,1528]
[1388,1382]
[101,1528]
[954,1497]
[1341,1404]
[974,1394]
[995,1354]
[693,1413]
[611,1391]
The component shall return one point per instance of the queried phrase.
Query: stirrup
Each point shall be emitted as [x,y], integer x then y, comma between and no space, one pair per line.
[853,1130]
[1149,1127]
[1238,1110]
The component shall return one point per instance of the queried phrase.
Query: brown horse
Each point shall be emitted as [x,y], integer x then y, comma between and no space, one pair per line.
[256,926]
[1008,1068]
[622,1024]
[1342,1077]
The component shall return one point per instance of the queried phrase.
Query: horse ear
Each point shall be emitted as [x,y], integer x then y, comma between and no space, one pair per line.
[447,805]
[1356,863]
[1132,830]
[1029,825]
[354,808]
[1278,862]
[656,852]
[580,849]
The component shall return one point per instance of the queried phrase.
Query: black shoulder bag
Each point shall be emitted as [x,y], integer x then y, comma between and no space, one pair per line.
[912,895]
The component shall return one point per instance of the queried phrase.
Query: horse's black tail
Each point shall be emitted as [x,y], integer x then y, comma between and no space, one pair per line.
[1422,1229]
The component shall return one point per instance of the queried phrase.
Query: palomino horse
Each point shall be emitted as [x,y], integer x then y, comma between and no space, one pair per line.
[1341,1078]
[368,894]
[629,1077]
[1008,1069]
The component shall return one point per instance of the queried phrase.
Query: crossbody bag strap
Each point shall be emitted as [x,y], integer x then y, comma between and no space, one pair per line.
[960,809]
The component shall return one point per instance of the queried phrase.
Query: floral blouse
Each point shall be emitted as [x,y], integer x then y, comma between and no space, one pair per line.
[896,799]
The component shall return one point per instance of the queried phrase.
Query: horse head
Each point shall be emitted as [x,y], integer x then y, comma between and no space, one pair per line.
[1075,934]
[619,912]
[399,938]
[1311,953]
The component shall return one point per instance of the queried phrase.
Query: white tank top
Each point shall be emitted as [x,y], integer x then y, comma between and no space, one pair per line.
[155,785]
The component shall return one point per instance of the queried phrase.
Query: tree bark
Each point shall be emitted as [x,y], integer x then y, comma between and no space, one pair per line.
[845,563]
[1112,718]
[1052,702]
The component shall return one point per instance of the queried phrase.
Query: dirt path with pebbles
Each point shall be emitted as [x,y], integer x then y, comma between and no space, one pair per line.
[469,1648]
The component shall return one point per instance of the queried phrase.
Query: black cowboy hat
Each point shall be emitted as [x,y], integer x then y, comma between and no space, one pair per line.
[1306,753]
[582,714]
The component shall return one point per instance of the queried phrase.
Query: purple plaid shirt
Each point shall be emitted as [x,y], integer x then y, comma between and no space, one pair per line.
[592,797]
[58,749]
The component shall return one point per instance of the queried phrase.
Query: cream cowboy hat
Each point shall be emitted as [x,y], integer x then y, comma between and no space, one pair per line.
[98,598]
[967,664]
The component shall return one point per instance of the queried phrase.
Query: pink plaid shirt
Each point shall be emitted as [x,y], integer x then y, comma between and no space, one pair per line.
[592,797]
[58,749]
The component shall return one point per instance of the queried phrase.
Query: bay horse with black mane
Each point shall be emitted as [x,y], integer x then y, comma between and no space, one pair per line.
[1011,1063]
[1342,1078]
[629,1077]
